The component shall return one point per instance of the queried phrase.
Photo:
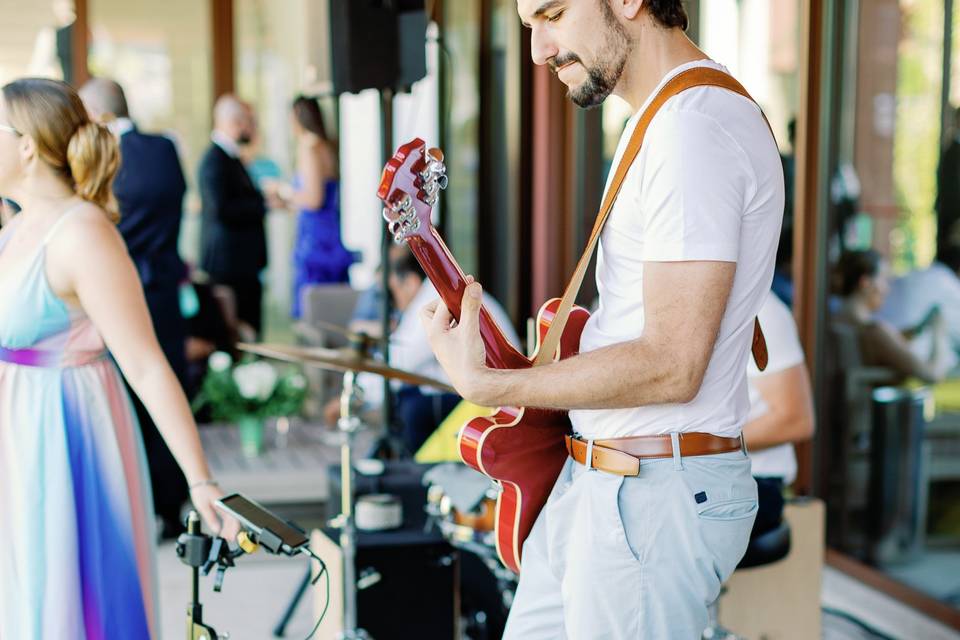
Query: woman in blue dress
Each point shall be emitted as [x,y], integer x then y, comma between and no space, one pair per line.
[319,255]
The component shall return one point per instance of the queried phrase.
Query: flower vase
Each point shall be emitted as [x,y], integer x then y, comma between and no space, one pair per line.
[251,435]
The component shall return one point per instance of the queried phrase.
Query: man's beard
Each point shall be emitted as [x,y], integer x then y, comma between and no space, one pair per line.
[603,76]
[599,84]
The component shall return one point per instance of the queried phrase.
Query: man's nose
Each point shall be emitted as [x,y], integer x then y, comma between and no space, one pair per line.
[542,46]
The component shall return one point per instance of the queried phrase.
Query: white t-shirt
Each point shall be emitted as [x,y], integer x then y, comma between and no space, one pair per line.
[707,185]
[783,345]
[912,296]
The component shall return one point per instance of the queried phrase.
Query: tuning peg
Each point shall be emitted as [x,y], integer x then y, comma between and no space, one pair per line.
[396,230]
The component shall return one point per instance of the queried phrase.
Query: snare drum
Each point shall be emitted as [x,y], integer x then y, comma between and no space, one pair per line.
[470,530]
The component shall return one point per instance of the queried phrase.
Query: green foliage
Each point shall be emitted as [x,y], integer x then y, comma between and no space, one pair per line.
[917,137]
[254,389]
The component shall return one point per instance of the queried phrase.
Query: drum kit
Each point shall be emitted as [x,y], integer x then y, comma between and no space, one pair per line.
[461,503]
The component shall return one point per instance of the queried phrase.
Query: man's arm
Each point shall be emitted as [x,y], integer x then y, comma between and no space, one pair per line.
[684,304]
[790,416]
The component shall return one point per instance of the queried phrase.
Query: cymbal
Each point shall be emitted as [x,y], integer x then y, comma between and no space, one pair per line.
[354,336]
[339,360]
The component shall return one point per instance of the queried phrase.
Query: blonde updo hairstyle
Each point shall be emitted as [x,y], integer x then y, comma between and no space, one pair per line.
[83,152]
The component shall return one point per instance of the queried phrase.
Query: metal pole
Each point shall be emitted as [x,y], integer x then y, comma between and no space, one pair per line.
[386,133]
[348,425]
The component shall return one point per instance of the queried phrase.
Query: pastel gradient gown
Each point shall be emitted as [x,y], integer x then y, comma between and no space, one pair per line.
[76,532]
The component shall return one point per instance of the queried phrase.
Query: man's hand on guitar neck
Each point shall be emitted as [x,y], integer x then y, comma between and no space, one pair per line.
[458,346]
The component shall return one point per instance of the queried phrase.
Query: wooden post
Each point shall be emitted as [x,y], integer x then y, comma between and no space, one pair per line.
[808,216]
[80,42]
[548,198]
[221,28]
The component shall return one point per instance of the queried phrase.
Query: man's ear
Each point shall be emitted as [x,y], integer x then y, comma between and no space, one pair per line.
[628,9]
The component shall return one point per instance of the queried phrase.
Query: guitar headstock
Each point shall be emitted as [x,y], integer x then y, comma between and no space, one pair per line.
[409,186]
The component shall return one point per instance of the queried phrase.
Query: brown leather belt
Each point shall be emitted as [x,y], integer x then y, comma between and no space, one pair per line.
[621,456]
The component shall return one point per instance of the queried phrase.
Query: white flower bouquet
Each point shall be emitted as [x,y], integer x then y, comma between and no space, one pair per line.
[250,390]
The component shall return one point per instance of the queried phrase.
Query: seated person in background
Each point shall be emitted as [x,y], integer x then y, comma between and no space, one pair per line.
[917,293]
[862,280]
[781,411]
[419,409]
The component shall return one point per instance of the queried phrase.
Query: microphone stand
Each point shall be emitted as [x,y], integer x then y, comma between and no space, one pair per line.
[193,549]
[201,553]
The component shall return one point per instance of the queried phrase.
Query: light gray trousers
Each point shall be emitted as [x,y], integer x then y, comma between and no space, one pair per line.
[638,557]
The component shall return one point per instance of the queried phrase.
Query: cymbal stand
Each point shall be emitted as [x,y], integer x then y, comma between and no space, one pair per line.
[348,424]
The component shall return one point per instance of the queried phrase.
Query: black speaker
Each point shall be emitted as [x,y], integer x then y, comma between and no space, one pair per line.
[415,596]
[377,44]
[407,584]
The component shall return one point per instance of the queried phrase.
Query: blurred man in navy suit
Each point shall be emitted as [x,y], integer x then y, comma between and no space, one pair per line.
[233,242]
[149,188]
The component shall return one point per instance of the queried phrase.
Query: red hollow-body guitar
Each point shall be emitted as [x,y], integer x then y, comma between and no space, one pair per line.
[521,448]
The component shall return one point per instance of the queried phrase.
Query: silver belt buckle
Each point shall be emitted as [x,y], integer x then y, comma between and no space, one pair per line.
[589,460]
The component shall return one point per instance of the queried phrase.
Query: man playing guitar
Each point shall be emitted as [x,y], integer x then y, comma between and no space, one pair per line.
[685,260]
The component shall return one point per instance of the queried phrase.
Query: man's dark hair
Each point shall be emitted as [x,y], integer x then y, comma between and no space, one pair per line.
[307,112]
[406,265]
[854,266]
[669,13]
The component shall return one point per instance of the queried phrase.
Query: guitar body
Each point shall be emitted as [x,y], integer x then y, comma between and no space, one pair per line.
[523,450]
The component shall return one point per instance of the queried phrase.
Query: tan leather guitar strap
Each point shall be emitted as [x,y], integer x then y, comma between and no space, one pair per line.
[695,77]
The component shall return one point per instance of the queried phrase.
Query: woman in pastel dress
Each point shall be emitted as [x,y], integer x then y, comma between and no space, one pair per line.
[76,552]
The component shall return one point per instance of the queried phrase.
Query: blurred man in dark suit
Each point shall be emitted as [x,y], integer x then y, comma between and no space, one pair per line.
[948,193]
[233,244]
[149,188]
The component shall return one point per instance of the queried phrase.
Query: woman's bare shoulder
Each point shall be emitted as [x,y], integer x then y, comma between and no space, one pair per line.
[87,229]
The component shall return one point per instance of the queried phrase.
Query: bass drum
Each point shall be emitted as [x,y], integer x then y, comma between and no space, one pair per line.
[486,586]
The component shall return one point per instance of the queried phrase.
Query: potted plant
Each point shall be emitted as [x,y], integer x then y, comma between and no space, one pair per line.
[248,393]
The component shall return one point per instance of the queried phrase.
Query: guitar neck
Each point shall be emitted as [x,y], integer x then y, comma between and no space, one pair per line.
[445,274]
